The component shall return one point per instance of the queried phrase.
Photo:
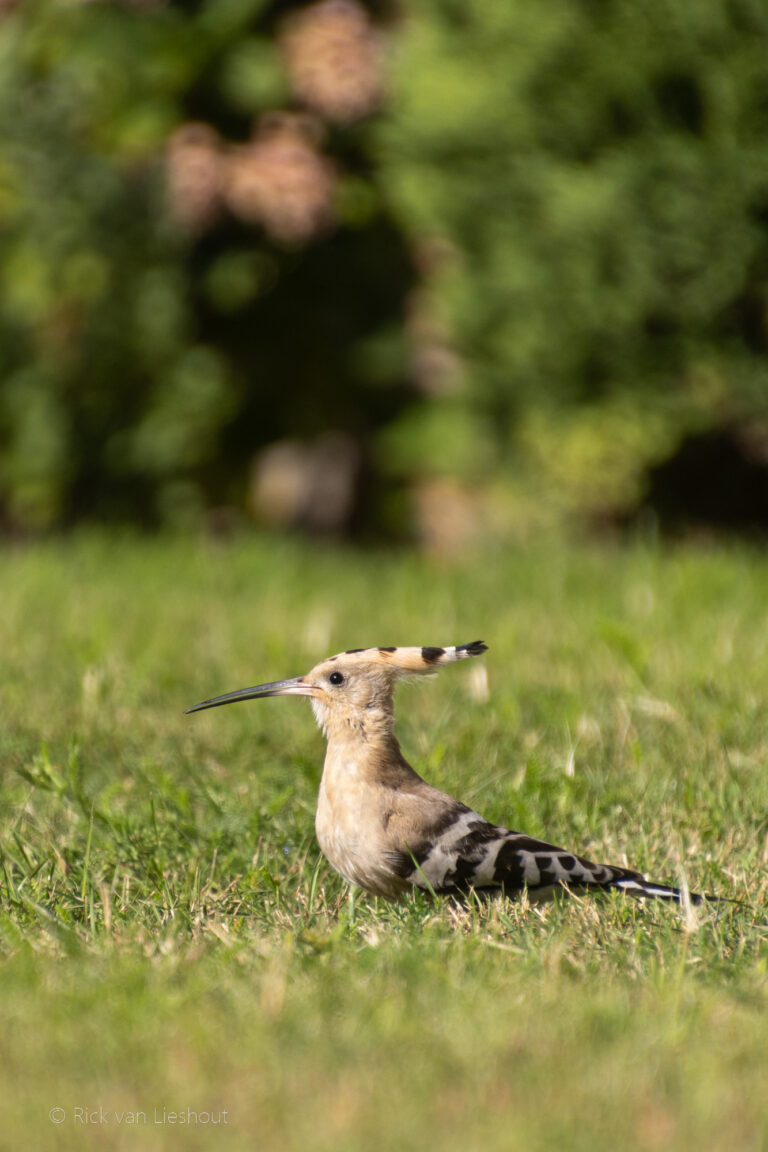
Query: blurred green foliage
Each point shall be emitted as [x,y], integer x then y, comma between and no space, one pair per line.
[597,175]
[578,193]
[145,357]
[95,344]
[602,172]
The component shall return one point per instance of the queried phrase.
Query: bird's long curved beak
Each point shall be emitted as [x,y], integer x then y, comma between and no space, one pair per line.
[296,687]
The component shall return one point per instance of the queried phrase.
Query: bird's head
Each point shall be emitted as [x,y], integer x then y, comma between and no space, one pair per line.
[355,686]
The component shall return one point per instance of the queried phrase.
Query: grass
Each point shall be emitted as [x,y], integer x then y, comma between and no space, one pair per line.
[172,944]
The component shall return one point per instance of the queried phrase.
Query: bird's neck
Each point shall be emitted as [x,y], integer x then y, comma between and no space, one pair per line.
[365,728]
[366,747]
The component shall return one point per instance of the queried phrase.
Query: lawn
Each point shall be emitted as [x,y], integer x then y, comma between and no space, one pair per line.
[181,970]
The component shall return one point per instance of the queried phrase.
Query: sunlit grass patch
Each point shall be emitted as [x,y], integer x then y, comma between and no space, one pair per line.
[172,939]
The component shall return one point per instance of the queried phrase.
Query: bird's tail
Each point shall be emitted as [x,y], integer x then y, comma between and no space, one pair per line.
[634,884]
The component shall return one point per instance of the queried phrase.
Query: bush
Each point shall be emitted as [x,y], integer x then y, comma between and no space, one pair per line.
[188,275]
[222,228]
[598,177]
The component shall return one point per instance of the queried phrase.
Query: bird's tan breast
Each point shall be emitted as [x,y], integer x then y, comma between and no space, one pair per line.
[351,829]
[368,815]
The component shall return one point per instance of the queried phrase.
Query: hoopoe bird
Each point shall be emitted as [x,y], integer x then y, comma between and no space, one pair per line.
[387,830]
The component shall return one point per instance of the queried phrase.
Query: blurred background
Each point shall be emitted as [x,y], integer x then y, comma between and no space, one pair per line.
[384,271]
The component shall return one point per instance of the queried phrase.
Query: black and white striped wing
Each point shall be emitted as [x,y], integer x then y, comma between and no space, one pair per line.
[471,853]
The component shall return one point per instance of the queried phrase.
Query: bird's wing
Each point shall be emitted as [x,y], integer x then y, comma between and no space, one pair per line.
[471,853]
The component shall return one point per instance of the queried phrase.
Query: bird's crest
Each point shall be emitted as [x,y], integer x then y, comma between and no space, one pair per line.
[410,660]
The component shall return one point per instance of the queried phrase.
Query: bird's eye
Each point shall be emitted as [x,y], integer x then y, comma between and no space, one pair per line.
[336,678]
